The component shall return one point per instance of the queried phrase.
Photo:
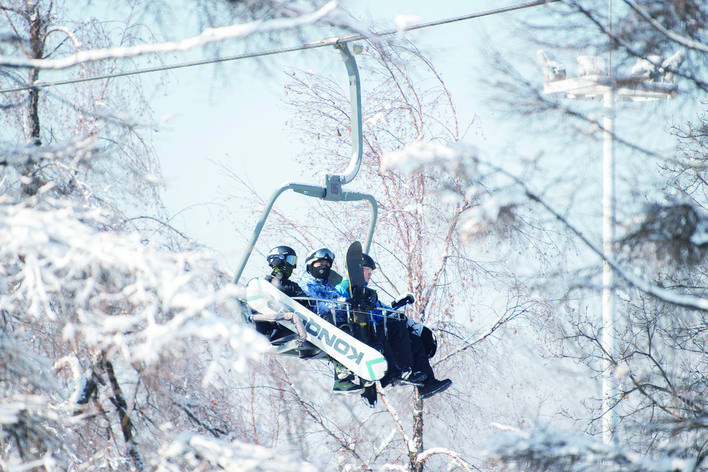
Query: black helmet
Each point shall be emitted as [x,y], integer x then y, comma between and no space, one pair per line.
[323,254]
[367,261]
[283,260]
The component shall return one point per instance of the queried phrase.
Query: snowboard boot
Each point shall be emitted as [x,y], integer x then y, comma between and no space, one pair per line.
[340,372]
[347,385]
[391,378]
[369,396]
[410,377]
[433,386]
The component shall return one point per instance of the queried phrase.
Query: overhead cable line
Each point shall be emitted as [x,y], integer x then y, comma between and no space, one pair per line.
[271,52]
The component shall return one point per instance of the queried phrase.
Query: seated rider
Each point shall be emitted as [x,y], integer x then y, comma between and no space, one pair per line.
[409,350]
[330,306]
[315,283]
[396,342]
[282,261]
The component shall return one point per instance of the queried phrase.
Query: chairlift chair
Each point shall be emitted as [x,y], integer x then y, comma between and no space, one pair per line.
[330,189]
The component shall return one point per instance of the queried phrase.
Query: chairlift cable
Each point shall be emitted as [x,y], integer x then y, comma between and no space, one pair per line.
[302,47]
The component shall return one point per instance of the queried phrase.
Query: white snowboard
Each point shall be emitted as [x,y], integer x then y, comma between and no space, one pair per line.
[360,358]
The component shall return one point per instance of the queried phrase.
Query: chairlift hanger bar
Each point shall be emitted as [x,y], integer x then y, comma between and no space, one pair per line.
[271,52]
[331,189]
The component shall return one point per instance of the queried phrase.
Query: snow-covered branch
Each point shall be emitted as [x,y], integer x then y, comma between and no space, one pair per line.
[423,456]
[193,451]
[208,36]
[685,301]
[459,160]
[110,292]
[545,450]
[688,42]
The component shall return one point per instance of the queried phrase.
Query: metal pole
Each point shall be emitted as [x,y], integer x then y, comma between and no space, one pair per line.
[331,190]
[609,386]
[609,383]
[304,189]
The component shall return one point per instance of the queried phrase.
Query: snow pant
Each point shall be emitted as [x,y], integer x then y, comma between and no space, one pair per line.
[272,330]
[421,361]
[402,349]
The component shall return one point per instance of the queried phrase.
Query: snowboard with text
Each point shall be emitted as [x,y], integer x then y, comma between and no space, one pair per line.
[363,360]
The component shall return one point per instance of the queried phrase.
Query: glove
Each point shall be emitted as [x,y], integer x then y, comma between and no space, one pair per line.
[363,299]
[403,300]
[364,293]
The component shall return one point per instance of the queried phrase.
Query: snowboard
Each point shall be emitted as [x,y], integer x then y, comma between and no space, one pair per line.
[365,361]
[355,268]
[355,274]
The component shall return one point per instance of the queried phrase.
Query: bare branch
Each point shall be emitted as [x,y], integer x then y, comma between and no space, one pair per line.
[208,36]
[684,41]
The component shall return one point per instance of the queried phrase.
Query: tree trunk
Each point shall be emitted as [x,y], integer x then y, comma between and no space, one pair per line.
[37,29]
[417,466]
[126,425]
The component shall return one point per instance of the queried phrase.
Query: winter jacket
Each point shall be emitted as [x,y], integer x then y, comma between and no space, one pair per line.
[288,287]
[323,290]
[375,316]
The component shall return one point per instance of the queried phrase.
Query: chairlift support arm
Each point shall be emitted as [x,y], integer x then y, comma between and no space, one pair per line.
[331,189]
[355,100]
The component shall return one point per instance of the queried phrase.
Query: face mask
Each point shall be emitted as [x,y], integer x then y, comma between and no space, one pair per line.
[283,272]
[320,272]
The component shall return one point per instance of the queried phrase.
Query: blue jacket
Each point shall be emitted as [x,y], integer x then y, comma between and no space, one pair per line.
[323,290]
[375,315]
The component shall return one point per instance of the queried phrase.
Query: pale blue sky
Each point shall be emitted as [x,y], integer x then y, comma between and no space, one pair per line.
[240,123]
[243,127]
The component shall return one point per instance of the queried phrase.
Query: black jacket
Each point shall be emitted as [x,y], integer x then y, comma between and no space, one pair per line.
[288,287]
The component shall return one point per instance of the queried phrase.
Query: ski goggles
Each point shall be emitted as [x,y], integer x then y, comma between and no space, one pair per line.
[287,258]
[323,254]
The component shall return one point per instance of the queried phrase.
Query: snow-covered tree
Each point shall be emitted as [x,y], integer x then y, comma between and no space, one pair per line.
[658,255]
[118,351]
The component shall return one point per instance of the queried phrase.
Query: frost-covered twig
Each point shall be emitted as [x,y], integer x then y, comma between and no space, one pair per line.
[394,416]
[110,292]
[425,455]
[208,36]
[419,155]
[685,301]
[683,40]
[468,344]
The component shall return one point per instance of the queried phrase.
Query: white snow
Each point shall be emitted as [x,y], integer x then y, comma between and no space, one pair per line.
[700,233]
[208,36]
[234,456]
[404,21]
[417,155]
[487,213]
[118,294]
[578,452]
